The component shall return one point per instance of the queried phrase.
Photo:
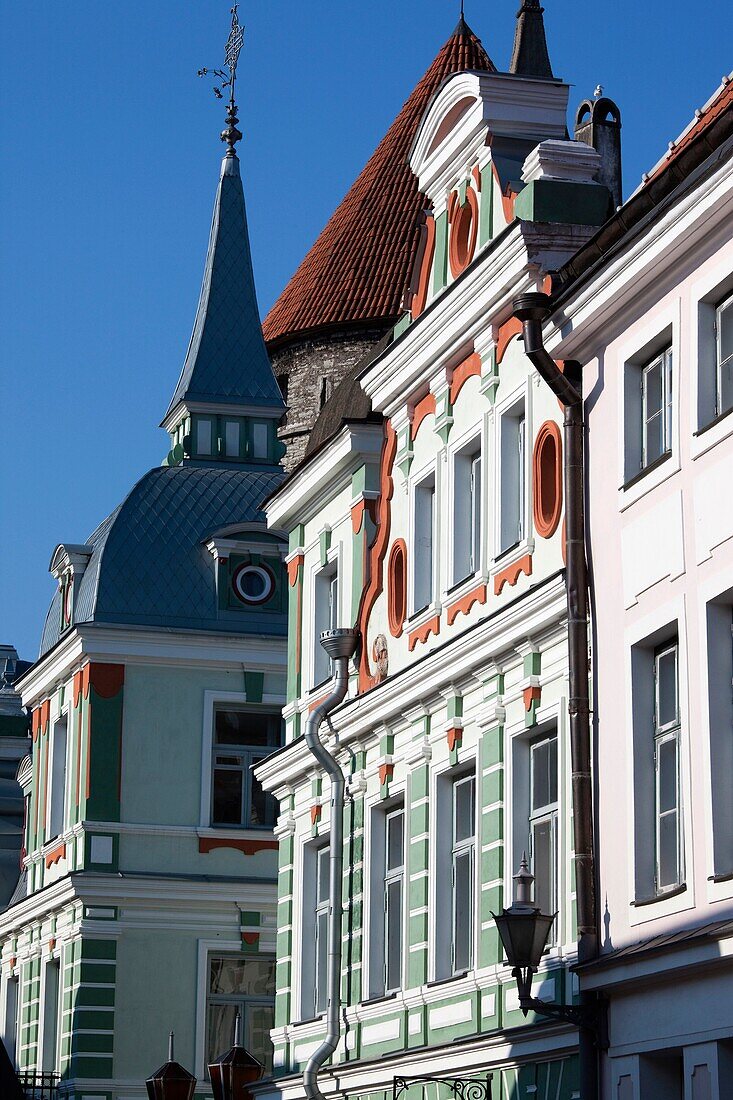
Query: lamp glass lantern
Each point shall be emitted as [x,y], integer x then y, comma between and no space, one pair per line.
[171,1081]
[233,1072]
[524,931]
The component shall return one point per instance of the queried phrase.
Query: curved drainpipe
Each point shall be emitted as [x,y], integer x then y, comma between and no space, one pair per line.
[532,310]
[340,646]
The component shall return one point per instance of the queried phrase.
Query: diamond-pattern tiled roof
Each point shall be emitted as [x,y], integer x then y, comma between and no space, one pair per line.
[359,267]
[149,565]
[227,360]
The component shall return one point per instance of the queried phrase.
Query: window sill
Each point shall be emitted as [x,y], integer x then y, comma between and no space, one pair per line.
[419,618]
[711,434]
[726,877]
[379,999]
[235,832]
[309,1020]
[712,423]
[450,978]
[663,895]
[512,553]
[646,470]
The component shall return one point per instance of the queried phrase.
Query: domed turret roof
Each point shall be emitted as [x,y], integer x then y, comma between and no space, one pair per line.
[356,272]
[149,564]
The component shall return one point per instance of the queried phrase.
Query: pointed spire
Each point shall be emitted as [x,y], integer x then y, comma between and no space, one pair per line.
[530,56]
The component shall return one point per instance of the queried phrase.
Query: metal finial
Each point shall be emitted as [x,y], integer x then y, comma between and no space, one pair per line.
[170,1047]
[231,135]
[524,879]
[237,1028]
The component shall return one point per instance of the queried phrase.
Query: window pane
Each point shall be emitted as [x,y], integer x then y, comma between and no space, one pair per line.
[394,935]
[321,960]
[228,784]
[220,1031]
[544,773]
[333,603]
[258,1022]
[322,875]
[259,440]
[241,727]
[263,810]
[653,388]
[424,523]
[667,765]
[476,513]
[395,840]
[668,874]
[231,438]
[667,687]
[231,974]
[462,909]
[543,864]
[203,437]
[463,799]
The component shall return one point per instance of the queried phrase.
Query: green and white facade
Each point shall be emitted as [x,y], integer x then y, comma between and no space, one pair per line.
[436,527]
[147,900]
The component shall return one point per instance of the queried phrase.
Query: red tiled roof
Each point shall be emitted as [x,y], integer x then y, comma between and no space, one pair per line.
[359,267]
[721,102]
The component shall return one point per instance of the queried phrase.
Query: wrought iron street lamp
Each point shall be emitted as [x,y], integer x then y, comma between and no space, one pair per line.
[232,1073]
[171,1081]
[524,932]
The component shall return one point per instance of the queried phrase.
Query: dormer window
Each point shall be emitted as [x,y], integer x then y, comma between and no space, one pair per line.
[67,566]
[249,570]
[203,437]
[260,440]
[253,584]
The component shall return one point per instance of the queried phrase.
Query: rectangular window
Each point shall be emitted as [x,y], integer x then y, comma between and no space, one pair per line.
[320,926]
[57,792]
[467,514]
[245,986]
[203,437]
[513,489]
[656,405]
[543,816]
[241,739]
[326,618]
[231,438]
[394,874]
[10,1018]
[260,439]
[667,768]
[724,355]
[51,1012]
[462,878]
[424,521]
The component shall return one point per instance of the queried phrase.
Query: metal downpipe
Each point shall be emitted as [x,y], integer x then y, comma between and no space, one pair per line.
[340,645]
[532,310]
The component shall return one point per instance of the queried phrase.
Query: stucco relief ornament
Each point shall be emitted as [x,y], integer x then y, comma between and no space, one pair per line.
[380,656]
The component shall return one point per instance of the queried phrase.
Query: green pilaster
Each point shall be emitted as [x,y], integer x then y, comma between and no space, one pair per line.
[254,683]
[295,616]
[489,375]
[491,760]
[486,215]
[417,866]
[104,748]
[353,892]
[324,544]
[440,257]
[94,971]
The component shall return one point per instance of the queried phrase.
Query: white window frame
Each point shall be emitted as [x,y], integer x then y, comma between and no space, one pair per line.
[460,849]
[548,813]
[56,798]
[326,583]
[664,734]
[512,473]
[424,485]
[722,307]
[468,493]
[251,755]
[49,1013]
[320,938]
[393,876]
[10,1016]
[665,360]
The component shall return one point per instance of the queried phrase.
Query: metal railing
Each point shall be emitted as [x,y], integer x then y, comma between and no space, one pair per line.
[39,1086]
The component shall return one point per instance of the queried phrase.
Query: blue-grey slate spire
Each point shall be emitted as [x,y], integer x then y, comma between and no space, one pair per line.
[227,362]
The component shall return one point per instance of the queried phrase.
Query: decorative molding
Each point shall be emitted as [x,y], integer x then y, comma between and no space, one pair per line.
[463,605]
[469,368]
[377,552]
[510,574]
[247,847]
[425,407]
[505,332]
[422,633]
[57,853]
[546,520]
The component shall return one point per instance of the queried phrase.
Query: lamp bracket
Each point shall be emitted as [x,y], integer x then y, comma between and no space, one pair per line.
[591,1017]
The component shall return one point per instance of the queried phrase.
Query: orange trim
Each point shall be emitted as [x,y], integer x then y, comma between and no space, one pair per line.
[510,328]
[36,723]
[317,702]
[424,260]
[453,736]
[293,566]
[546,519]
[107,680]
[248,847]
[464,605]
[459,260]
[531,695]
[57,853]
[377,551]
[357,516]
[386,771]
[85,681]
[250,938]
[397,587]
[77,686]
[469,368]
[432,626]
[424,407]
[476,174]
[315,814]
[510,575]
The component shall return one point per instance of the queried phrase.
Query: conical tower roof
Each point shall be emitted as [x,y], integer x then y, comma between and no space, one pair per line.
[227,362]
[529,55]
[356,272]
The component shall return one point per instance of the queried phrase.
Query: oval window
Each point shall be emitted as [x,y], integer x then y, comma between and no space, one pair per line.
[464,228]
[547,479]
[253,584]
[397,587]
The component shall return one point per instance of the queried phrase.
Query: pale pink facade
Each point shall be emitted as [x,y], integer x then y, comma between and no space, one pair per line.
[660,533]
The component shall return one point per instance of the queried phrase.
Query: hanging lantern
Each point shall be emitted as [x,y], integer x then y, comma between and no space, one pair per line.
[171,1081]
[232,1073]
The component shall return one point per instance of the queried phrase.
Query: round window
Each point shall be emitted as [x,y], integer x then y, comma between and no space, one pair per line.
[463,231]
[547,477]
[253,583]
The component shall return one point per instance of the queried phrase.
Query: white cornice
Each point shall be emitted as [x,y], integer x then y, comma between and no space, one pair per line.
[481,297]
[540,613]
[303,493]
[600,302]
[93,642]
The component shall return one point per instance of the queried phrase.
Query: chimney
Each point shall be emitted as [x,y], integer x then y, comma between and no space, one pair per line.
[598,124]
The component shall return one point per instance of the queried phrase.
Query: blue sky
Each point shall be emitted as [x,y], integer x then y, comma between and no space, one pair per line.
[110,159]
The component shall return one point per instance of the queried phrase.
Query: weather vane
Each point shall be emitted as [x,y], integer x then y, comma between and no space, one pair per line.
[231,135]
